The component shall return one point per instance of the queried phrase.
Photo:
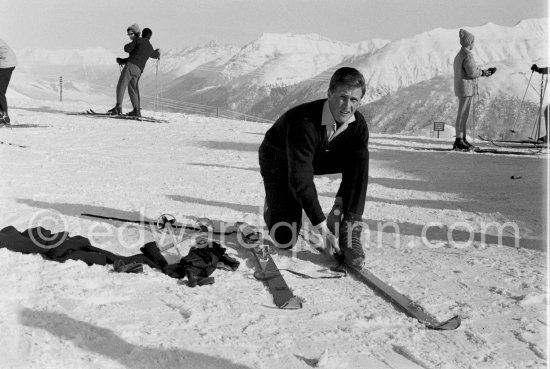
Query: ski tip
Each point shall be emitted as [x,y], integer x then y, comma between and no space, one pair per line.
[294,303]
[448,325]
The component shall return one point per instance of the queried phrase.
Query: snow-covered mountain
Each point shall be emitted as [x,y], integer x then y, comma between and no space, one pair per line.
[89,57]
[88,75]
[246,79]
[286,59]
[406,78]
[427,55]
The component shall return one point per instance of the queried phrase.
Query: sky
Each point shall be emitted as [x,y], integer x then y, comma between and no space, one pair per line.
[70,24]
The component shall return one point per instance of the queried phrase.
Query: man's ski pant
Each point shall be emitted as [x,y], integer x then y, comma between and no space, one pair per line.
[129,77]
[5,76]
[283,213]
[464,105]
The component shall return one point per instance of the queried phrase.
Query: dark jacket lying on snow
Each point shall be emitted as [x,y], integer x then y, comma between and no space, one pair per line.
[199,264]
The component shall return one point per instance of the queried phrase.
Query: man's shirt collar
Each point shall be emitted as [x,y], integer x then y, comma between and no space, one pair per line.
[328,121]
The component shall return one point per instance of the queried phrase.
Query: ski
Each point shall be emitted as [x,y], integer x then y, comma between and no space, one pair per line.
[402,302]
[527,141]
[531,151]
[448,149]
[496,150]
[518,144]
[92,113]
[268,272]
[89,112]
[140,119]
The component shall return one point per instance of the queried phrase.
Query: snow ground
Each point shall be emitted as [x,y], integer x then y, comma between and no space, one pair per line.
[55,167]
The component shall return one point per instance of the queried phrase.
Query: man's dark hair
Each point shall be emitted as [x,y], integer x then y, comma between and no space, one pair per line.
[346,76]
[147,33]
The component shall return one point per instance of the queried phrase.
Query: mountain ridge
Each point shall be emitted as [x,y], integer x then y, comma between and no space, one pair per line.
[278,70]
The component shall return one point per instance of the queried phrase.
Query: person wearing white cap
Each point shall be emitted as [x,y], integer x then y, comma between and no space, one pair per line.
[140,50]
[465,72]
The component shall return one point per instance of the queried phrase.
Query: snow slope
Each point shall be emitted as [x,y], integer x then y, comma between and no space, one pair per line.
[70,315]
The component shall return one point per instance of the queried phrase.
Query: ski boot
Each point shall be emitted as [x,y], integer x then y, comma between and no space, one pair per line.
[4,119]
[349,241]
[117,110]
[460,145]
[472,147]
[136,113]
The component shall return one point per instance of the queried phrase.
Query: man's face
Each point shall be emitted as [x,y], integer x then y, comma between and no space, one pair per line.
[131,34]
[343,102]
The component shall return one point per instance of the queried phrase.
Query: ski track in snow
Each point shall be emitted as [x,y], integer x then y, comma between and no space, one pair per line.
[69,315]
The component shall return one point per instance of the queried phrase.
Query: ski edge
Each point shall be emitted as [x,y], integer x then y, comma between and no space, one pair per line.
[404,303]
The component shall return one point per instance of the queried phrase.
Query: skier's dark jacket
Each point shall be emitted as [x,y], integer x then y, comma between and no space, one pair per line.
[140,50]
[198,264]
[297,139]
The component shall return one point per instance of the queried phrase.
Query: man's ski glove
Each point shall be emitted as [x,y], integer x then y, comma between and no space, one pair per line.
[534,68]
[335,216]
[328,243]
[121,61]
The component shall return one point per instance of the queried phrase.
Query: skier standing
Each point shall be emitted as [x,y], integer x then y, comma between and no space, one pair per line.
[466,72]
[8,62]
[140,50]
[319,137]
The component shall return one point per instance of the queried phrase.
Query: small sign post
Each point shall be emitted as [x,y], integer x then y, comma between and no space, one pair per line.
[439,127]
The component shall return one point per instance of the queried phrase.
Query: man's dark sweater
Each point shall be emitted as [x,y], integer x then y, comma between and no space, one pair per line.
[140,50]
[298,141]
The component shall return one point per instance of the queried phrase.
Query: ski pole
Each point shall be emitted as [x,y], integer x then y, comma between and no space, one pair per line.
[513,130]
[165,221]
[156,101]
[160,98]
[542,93]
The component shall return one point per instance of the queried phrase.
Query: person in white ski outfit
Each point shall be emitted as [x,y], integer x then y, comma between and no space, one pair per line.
[465,73]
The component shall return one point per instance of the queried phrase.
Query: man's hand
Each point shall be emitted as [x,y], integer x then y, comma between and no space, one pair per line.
[120,61]
[534,68]
[330,243]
